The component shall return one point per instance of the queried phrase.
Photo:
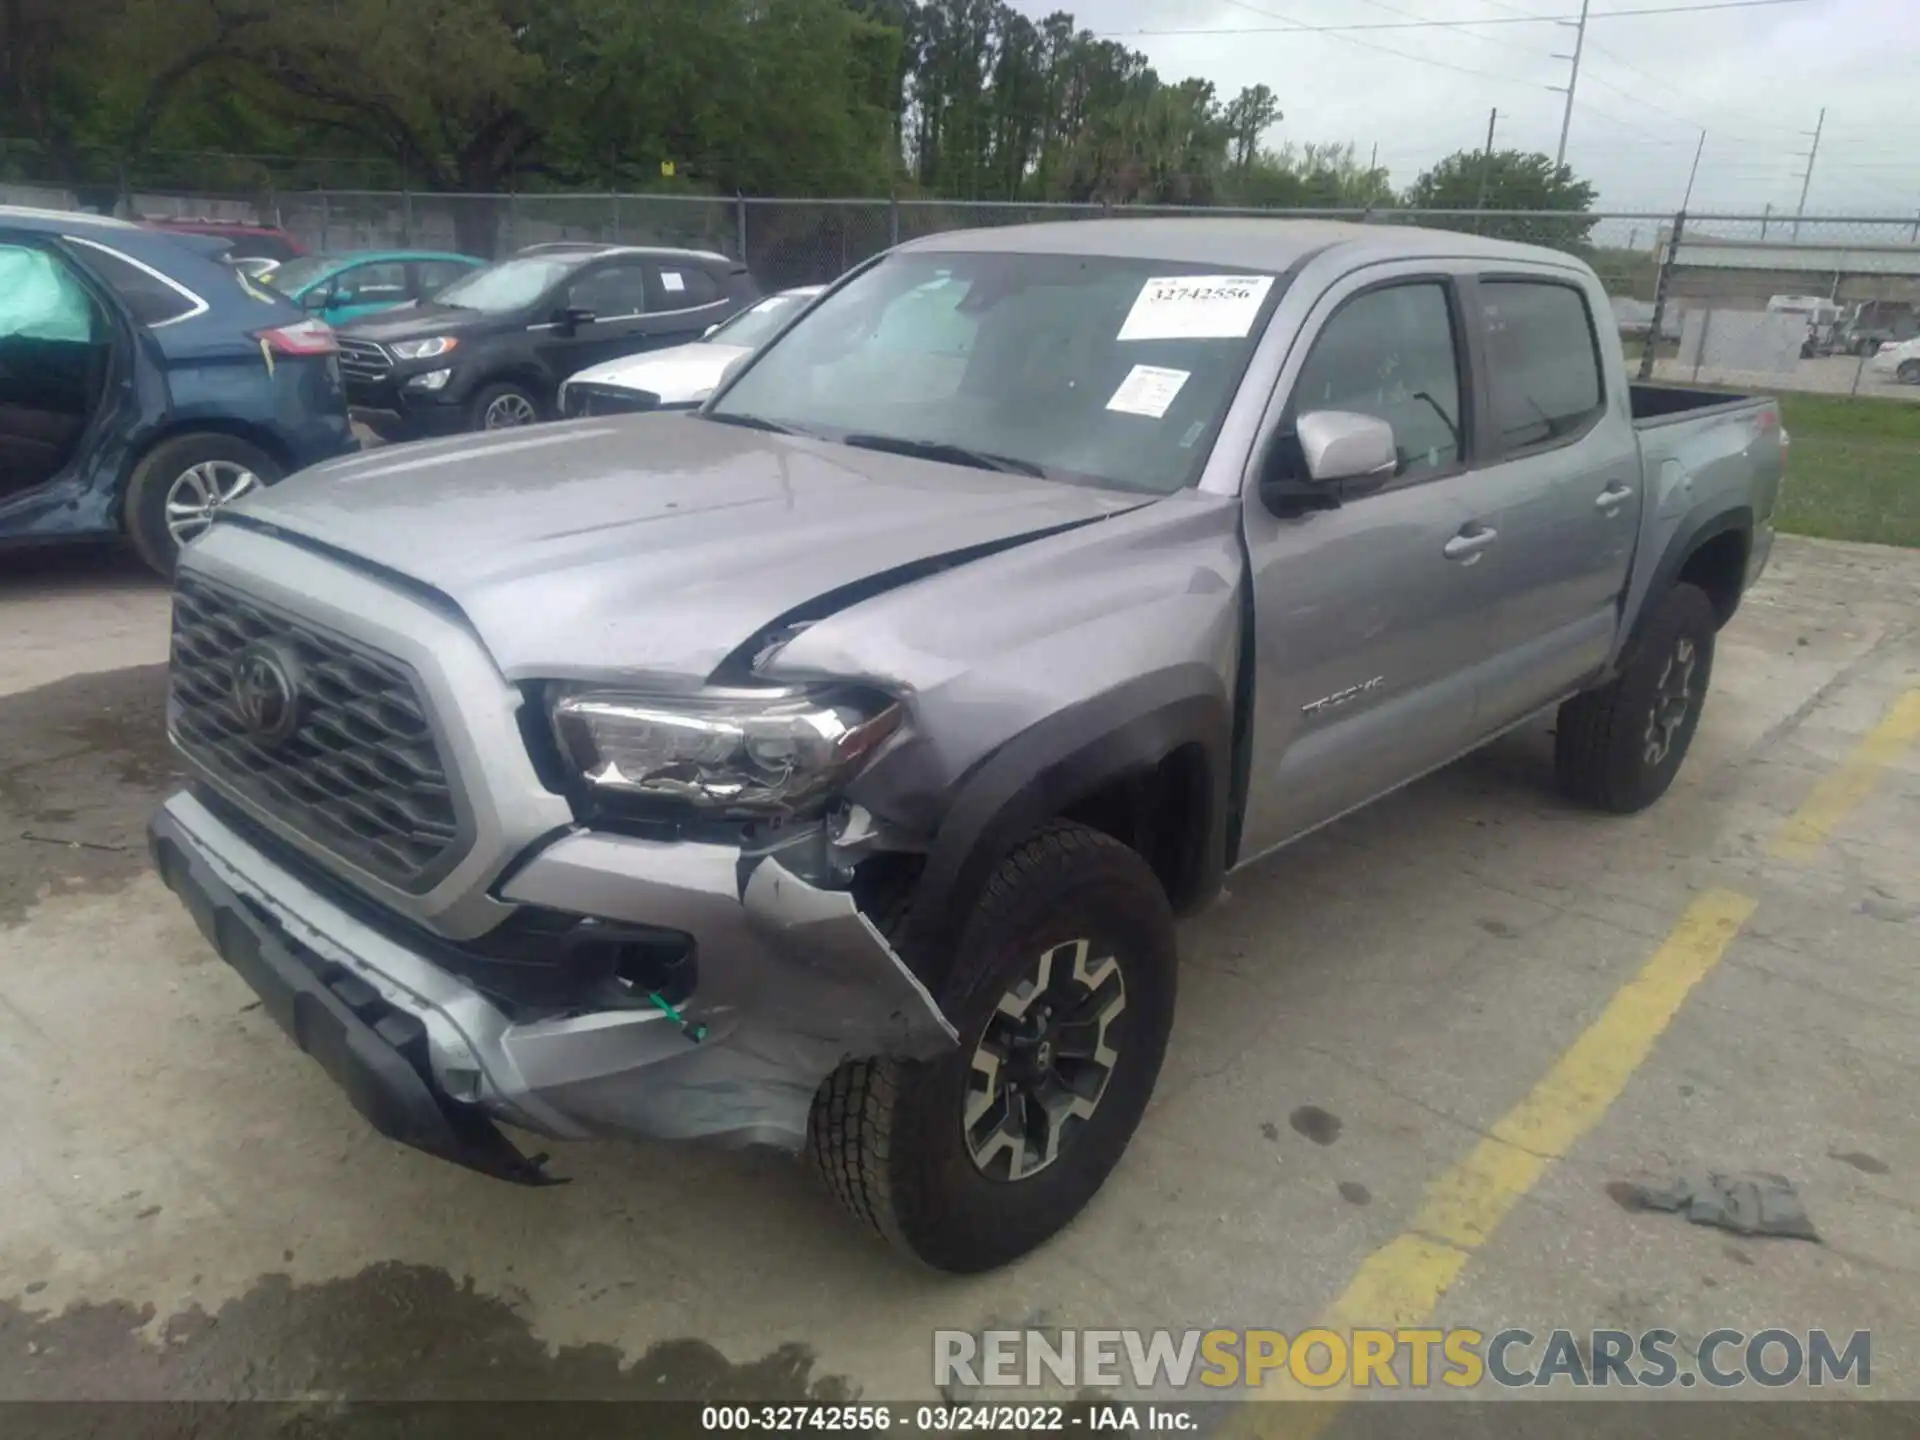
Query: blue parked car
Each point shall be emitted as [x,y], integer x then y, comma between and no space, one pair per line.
[344,287]
[144,384]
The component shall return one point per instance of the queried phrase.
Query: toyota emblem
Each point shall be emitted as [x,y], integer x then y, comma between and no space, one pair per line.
[266,694]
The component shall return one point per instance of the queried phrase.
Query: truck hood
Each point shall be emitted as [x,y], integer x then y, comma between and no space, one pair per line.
[653,544]
[679,375]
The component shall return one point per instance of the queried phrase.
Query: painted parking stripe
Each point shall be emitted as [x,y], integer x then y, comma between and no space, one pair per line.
[1834,798]
[1401,1284]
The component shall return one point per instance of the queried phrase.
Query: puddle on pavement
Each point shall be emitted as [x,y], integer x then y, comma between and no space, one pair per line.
[83,764]
[392,1332]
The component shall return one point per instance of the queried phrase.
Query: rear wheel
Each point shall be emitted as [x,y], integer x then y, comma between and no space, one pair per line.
[504,406]
[181,483]
[1062,991]
[1618,748]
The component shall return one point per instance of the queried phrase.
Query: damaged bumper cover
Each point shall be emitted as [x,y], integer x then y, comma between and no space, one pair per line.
[793,980]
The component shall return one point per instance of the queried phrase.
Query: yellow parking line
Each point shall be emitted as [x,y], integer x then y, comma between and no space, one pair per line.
[1831,800]
[1401,1284]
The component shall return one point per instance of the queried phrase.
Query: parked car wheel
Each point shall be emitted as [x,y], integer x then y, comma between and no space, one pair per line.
[1062,990]
[178,486]
[1618,747]
[504,406]
[1908,372]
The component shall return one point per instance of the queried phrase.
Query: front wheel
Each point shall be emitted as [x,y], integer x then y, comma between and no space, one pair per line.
[178,486]
[1618,747]
[1908,373]
[504,406]
[1062,990]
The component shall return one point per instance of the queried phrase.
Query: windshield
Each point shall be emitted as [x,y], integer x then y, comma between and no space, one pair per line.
[509,285]
[752,328]
[297,274]
[1089,368]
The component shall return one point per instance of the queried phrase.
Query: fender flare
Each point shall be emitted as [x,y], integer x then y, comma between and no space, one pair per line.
[1071,754]
[1705,522]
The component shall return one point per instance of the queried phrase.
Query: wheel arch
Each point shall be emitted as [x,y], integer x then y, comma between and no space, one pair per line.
[1708,548]
[260,437]
[1152,757]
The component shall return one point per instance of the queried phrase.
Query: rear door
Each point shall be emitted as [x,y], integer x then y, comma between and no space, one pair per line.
[1372,619]
[687,300]
[67,394]
[1564,471]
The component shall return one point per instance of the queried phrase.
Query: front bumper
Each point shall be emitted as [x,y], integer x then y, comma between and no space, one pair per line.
[395,412]
[792,981]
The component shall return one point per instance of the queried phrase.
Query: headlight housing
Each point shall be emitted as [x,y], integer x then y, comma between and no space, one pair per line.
[731,752]
[423,349]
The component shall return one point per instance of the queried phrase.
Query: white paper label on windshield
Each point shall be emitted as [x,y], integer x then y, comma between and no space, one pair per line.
[1148,390]
[670,279]
[1196,307]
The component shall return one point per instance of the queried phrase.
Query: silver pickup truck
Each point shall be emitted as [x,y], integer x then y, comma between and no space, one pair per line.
[826,767]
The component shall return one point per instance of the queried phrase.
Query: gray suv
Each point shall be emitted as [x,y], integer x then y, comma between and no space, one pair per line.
[825,768]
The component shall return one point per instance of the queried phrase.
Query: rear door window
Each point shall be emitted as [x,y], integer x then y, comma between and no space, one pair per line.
[685,287]
[1543,360]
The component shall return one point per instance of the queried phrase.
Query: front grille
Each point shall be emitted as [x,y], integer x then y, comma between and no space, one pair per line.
[363,359]
[360,773]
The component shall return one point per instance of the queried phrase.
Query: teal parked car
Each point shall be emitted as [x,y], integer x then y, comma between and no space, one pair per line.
[338,288]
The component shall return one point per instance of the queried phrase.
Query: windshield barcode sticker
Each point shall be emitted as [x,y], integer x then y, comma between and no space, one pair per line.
[1148,390]
[1196,307]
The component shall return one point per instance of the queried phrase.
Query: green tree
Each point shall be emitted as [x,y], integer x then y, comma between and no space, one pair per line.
[1249,115]
[1507,180]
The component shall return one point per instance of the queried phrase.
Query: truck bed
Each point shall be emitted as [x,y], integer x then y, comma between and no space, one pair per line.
[1665,404]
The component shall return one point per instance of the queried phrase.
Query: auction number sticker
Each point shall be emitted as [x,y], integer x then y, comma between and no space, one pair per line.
[1196,307]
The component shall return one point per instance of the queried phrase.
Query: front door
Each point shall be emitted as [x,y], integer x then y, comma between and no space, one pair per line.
[365,289]
[615,295]
[1372,619]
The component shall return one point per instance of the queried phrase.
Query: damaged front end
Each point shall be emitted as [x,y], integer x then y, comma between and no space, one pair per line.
[780,982]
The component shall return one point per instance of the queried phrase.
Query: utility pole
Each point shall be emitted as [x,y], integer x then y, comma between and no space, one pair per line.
[1573,80]
[1806,180]
[1486,162]
[1692,174]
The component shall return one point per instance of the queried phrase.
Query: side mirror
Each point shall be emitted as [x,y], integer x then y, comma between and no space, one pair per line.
[1344,455]
[574,316]
[1348,449]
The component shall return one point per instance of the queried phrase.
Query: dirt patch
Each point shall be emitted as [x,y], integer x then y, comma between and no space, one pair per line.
[393,1332]
[83,764]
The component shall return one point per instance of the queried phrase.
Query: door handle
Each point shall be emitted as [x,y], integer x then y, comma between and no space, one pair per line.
[1467,545]
[1613,497]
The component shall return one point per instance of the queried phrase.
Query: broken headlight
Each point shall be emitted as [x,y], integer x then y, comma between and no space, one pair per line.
[736,752]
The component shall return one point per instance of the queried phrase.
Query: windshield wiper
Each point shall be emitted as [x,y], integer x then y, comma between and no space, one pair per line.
[947,451]
[749,422]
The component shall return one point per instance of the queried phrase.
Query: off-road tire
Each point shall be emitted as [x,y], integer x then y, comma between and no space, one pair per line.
[1600,741]
[887,1134]
[144,514]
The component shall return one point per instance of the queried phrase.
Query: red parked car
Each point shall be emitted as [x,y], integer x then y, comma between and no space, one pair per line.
[245,242]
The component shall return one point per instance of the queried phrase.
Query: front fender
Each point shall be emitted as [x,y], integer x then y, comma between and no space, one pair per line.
[1045,771]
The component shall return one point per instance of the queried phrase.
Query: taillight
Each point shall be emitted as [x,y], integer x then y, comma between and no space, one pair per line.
[303,337]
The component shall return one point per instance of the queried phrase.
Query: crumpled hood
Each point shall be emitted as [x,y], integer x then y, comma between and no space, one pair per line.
[684,373]
[650,544]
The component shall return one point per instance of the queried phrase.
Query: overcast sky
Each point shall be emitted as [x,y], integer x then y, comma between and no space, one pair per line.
[1753,78]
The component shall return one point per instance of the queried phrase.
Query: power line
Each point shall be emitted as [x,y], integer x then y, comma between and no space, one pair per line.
[1294,27]
[1338,34]
[1461,25]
